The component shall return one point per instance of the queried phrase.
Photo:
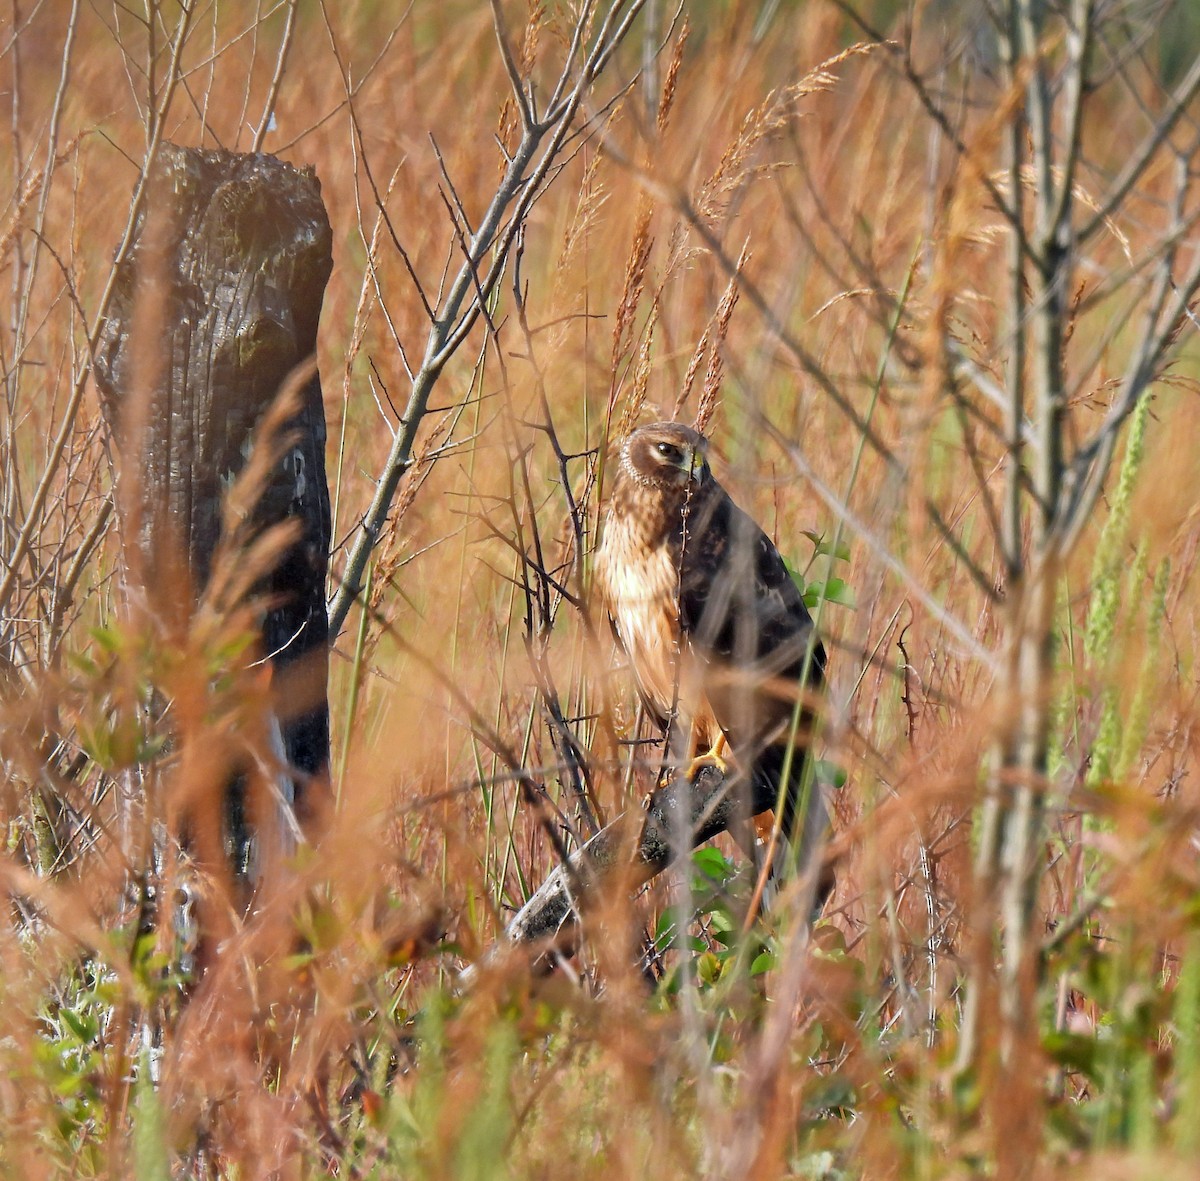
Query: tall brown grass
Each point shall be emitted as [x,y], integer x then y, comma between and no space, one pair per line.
[329,1033]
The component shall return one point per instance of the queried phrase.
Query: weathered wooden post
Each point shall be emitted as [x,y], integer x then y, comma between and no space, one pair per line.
[214,307]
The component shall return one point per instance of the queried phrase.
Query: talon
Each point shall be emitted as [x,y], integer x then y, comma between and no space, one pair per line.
[715,756]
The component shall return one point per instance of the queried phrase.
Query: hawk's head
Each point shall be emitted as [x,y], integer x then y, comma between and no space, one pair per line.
[665,455]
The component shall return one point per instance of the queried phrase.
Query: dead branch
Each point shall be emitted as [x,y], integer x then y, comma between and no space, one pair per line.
[698,811]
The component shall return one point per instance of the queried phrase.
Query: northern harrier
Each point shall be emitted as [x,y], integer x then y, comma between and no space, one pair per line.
[716,631]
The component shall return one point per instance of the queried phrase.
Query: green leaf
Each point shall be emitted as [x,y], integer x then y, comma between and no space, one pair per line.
[763,962]
[1073,1052]
[841,552]
[708,968]
[721,921]
[664,930]
[106,638]
[713,864]
[83,1025]
[832,590]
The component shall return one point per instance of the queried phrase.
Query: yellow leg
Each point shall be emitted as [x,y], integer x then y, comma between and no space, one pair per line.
[716,756]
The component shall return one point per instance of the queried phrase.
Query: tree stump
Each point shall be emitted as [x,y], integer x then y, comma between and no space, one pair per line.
[215,305]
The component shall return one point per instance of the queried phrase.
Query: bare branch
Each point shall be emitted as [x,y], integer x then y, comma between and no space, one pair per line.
[268,113]
[510,67]
[523,180]
[1129,176]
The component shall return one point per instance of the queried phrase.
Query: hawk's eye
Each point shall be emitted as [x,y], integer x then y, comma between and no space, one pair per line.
[670,452]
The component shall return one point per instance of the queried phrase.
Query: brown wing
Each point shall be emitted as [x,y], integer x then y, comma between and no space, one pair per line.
[743,614]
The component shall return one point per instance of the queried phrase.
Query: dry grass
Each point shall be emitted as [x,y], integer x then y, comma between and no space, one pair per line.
[327,1034]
